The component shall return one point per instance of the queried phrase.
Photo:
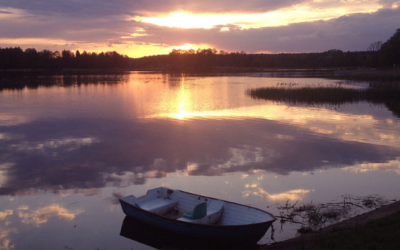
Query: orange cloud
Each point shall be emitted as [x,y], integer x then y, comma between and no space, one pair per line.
[42,215]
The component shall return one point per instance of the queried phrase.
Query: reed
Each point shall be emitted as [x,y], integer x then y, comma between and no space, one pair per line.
[312,217]
[379,94]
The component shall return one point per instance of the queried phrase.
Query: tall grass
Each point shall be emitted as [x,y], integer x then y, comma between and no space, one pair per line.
[377,94]
[309,95]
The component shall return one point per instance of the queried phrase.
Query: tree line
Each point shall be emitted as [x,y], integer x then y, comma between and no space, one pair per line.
[377,55]
[16,58]
[211,59]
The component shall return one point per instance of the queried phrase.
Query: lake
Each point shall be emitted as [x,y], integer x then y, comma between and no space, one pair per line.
[70,146]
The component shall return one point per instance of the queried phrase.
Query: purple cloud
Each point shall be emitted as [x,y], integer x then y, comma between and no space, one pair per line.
[132,7]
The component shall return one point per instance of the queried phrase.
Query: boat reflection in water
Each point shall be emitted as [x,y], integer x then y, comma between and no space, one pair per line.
[164,239]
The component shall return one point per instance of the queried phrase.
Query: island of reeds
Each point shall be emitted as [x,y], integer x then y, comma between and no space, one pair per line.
[378,94]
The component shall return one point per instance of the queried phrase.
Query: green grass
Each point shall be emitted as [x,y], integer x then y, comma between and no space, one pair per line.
[380,234]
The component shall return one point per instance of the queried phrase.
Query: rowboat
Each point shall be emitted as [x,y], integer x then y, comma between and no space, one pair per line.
[192,215]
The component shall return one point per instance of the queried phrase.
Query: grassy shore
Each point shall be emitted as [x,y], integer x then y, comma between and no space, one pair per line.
[381,234]
[377,229]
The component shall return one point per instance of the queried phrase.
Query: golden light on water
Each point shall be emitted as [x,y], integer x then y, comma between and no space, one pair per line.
[182,102]
[360,128]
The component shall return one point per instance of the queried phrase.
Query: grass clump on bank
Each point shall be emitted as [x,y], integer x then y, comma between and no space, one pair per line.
[386,94]
[381,234]
[313,217]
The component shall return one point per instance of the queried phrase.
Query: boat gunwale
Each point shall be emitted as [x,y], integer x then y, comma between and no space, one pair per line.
[202,225]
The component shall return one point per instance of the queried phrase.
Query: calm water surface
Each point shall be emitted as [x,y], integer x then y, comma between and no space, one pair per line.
[67,153]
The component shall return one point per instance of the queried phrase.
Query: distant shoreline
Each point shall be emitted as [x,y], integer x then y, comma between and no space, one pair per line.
[341,73]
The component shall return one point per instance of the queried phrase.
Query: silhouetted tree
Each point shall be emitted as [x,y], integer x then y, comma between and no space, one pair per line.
[15,58]
[389,54]
[375,46]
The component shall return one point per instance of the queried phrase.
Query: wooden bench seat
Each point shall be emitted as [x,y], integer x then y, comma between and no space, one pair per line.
[159,205]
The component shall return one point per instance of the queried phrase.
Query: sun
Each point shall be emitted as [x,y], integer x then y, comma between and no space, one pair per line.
[186,20]
[186,46]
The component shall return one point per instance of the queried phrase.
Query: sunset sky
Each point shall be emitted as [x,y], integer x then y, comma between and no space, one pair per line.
[146,27]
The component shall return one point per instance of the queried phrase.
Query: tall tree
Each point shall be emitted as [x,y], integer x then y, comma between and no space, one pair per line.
[389,54]
[375,46]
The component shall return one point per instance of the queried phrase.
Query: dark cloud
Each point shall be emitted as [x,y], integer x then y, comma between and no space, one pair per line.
[86,8]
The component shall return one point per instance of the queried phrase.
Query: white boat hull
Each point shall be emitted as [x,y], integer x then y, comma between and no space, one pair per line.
[226,229]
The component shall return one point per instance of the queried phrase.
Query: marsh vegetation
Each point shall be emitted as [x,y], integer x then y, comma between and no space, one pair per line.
[387,94]
[380,234]
[312,217]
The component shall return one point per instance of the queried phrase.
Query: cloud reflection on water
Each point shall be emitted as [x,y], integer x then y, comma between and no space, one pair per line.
[42,215]
[391,165]
[157,125]
[5,242]
[133,151]
[5,213]
[296,194]
[350,127]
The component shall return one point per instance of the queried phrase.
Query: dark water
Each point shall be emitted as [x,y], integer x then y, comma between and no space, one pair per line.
[69,151]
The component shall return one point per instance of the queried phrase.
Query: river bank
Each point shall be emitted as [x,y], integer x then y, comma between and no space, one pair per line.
[346,228]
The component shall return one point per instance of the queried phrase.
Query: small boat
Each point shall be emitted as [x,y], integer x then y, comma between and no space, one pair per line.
[198,216]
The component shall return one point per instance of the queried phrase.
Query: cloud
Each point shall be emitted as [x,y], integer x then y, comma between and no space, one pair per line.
[389,3]
[352,32]
[104,25]
[90,8]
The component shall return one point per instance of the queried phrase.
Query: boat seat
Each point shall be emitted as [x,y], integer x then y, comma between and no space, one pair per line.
[213,213]
[159,205]
[198,212]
